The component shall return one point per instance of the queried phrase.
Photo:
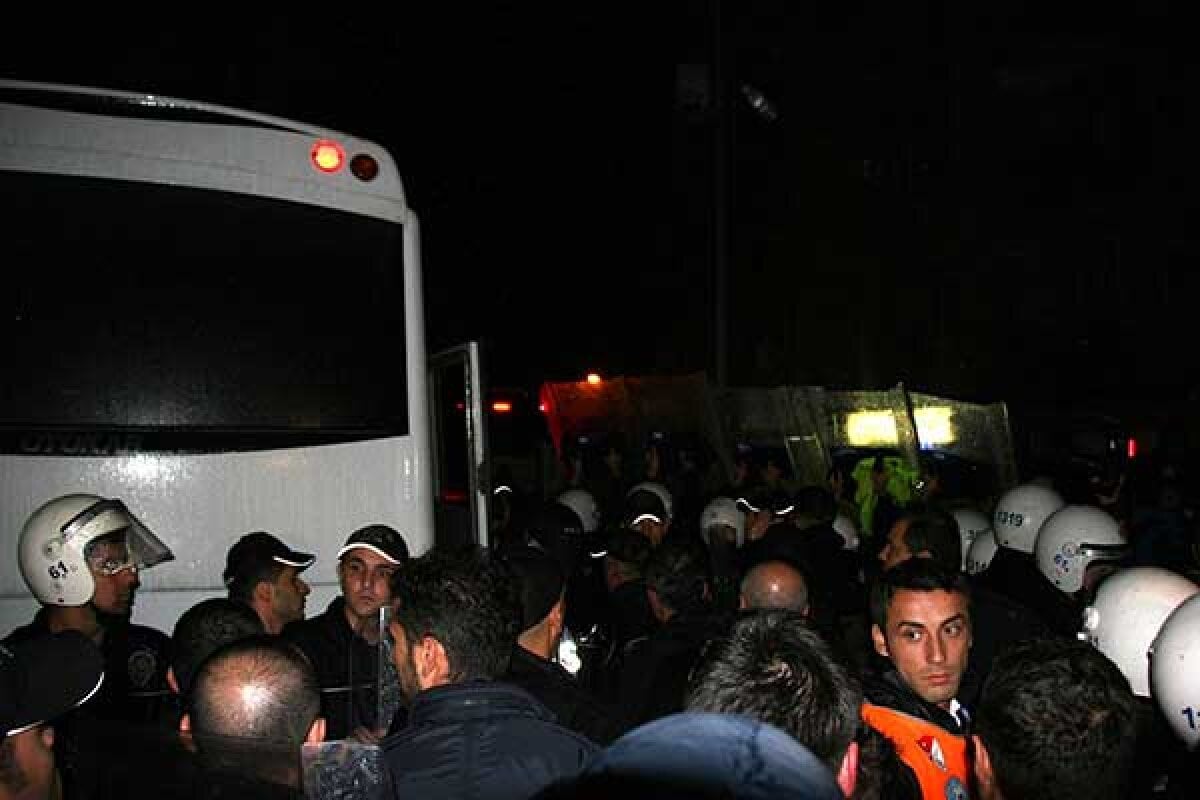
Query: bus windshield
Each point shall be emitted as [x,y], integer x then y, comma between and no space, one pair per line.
[203,320]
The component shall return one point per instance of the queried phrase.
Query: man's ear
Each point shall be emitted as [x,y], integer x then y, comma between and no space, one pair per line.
[556,619]
[174,684]
[879,640]
[316,731]
[985,777]
[264,592]
[656,606]
[433,667]
[847,776]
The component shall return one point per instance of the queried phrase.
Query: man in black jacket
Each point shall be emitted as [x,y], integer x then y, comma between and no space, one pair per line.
[453,627]
[543,609]
[343,643]
[655,674]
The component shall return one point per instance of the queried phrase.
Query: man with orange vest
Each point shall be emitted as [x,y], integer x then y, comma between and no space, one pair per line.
[921,625]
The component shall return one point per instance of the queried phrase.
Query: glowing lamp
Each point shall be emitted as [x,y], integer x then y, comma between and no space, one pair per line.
[328,156]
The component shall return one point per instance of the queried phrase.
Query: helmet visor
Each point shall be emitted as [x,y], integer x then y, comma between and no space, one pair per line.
[109,517]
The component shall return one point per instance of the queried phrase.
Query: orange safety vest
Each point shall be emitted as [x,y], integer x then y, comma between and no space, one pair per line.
[938,757]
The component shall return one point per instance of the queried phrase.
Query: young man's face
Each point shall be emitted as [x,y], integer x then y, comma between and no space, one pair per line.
[288,596]
[928,638]
[366,581]
[115,577]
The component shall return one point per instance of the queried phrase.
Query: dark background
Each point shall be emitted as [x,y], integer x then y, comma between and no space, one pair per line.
[983,200]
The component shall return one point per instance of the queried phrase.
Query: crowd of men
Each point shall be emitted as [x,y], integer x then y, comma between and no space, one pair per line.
[764,642]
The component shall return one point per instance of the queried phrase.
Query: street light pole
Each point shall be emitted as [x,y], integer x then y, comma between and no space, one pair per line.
[721,168]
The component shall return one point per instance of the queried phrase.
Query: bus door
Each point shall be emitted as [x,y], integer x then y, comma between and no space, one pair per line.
[459,447]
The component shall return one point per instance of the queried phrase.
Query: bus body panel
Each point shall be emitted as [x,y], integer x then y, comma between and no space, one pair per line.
[311,497]
[199,503]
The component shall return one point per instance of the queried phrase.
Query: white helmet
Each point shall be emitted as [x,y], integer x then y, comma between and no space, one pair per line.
[584,505]
[848,530]
[1020,514]
[1175,670]
[1130,607]
[981,553]
[723,511]
[1074,537]
[52,548]
[657,488]
[970,525]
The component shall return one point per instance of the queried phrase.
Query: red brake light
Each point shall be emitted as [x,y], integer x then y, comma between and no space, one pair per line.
[364,167]
[542,407]
[1131,448]
[328,156]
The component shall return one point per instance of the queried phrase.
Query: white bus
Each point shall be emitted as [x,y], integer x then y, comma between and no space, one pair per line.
[216,316]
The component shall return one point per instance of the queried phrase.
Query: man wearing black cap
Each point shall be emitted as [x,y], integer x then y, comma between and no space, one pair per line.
[264,573]
[40,679]
[543,609]
[343,643]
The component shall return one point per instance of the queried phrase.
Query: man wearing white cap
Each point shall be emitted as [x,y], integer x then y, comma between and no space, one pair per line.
[343,643]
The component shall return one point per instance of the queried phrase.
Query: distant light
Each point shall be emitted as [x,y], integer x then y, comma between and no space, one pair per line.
[870,428]
[328,156]
[594,379]
[542,407]
[502,407]
[460,406]
[1131,448]
[878,428]
[934,426]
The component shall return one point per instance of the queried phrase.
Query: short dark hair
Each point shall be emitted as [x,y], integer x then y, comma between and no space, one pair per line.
[629,547]
[816,503]
[203,629]
[773,667]
[882,775]
[918,575]
[935,532]
[287,700]
[678,573]
[12,775]
[466,601]
[241,586]
[1058,720]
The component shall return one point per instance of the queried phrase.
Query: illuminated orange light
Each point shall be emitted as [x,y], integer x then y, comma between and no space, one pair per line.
[328,156]
[593,379]
[502,406]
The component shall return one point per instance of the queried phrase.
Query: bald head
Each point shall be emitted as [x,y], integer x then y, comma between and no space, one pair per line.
[775,585]
[258,688]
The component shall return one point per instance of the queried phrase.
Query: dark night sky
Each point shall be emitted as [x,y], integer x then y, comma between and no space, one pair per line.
[986,201]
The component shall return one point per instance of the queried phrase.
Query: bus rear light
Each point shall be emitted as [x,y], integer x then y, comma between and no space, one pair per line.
[364,167]
[328,156]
